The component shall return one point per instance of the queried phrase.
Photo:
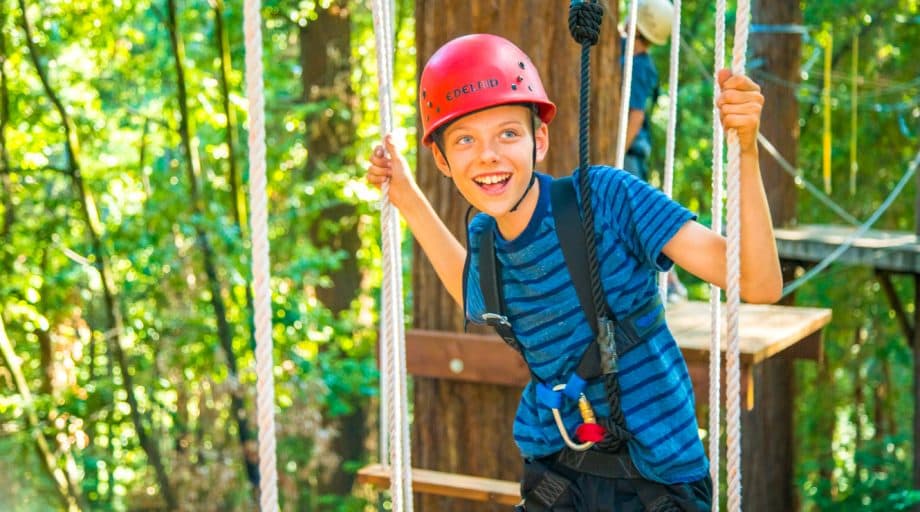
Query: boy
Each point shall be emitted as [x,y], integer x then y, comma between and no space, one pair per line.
[485,116]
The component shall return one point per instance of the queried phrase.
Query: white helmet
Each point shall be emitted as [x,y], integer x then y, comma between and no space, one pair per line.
[654,20]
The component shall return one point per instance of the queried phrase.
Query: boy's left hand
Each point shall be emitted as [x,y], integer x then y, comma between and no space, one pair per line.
[740,104]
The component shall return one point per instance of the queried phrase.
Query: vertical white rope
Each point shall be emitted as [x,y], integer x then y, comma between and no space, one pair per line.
[399,313]
[733,291]
[626,88]
[673,89]
[258,219]
[395,449]
[715,294]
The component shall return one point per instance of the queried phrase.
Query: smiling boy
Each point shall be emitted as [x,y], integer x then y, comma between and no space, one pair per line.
[488,140]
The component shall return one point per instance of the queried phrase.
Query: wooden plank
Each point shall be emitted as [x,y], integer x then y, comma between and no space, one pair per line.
[466,357]
[765,331]
[895,251]
[448,484]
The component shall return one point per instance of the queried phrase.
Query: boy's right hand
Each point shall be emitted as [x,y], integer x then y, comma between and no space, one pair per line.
[388,163]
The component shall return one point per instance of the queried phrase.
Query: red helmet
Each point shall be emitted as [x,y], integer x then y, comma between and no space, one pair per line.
[474,72]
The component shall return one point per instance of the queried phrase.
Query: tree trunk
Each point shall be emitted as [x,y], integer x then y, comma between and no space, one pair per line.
[460,427]
[237,197]
[6,188]
[767,439]
[915,346]
[859,398]
[114,328]
[325,59]
[224,330]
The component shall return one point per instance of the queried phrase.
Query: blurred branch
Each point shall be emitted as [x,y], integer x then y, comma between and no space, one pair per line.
[66,489]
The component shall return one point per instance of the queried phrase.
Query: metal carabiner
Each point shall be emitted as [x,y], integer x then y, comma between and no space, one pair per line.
[494,318]
[562,431]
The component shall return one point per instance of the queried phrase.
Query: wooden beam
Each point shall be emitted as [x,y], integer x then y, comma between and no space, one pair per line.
[765,331]
[448,484]
[465,357]
[894,251]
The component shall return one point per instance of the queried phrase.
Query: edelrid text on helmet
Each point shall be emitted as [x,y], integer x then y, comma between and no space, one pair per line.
[474,72]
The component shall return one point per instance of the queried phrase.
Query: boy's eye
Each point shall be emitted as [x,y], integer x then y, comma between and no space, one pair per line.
[509,134]
[463,139]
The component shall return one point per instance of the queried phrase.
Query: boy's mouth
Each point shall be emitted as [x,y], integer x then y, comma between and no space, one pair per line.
[494,183]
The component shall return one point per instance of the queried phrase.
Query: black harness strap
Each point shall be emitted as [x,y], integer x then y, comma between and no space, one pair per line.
[490,283]
[597,463]
[572,239]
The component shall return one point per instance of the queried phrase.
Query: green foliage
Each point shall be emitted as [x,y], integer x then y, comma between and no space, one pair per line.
[113,69]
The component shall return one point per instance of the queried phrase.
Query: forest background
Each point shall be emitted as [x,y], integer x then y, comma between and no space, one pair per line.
[128,375]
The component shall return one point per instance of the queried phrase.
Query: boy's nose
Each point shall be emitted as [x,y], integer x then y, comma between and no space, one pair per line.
[489,153]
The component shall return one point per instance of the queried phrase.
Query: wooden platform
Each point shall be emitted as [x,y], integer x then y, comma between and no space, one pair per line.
[893,251]
[448,484]
[765,331]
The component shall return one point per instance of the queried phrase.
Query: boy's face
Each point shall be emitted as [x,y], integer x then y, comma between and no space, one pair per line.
[488,156]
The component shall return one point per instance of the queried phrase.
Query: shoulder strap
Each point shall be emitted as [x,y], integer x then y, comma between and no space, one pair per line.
[571,235]
[490,283]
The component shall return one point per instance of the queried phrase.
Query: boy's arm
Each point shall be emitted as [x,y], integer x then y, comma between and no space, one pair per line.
[634,124]
[444,251]
[702,251]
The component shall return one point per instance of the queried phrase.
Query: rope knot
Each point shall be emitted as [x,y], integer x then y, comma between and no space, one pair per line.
[585,21]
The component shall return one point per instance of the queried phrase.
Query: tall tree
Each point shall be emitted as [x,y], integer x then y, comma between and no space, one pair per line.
[202,240]
[768,428]
[6,188]
[453,431]
[325,60]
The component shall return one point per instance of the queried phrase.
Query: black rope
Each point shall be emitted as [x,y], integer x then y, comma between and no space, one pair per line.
[584,25]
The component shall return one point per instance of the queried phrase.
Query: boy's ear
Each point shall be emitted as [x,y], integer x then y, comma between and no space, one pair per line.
[541,139]
[440,160]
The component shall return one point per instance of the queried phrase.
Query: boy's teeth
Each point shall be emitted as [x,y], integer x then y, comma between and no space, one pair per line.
[489,180]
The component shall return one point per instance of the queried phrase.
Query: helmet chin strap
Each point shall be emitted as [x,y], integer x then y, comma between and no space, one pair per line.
[533,178]
[533,163]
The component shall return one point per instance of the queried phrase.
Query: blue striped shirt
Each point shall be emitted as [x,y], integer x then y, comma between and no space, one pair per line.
[633,221]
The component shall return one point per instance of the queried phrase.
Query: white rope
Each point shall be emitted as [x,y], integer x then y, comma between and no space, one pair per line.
[715,293]
[733,288]
[394,440]
[673,90]
[258,219]
[626,89]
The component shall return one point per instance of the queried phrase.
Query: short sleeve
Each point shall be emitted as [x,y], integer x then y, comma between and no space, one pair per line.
[641,216]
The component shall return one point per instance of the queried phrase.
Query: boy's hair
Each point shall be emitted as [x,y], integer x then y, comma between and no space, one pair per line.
[475,72]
